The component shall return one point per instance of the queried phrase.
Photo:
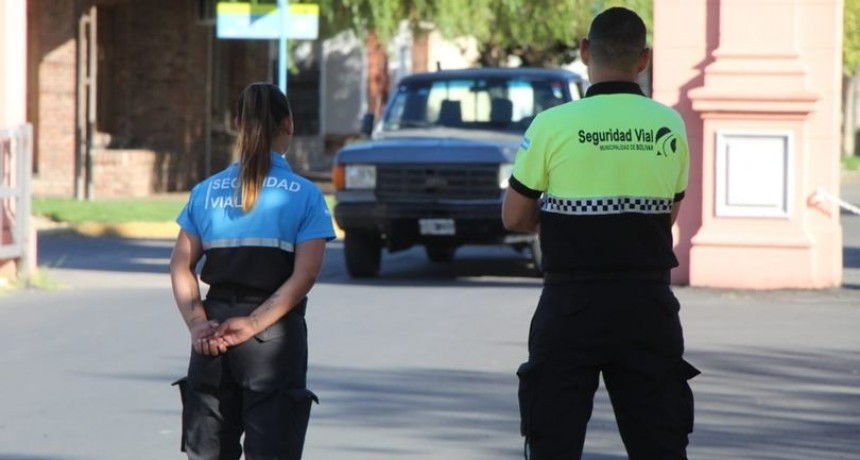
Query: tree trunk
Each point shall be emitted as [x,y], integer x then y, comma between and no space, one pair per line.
[377,75]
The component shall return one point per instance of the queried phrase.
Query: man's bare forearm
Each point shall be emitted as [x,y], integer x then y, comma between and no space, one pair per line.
[520,213]
[528,223]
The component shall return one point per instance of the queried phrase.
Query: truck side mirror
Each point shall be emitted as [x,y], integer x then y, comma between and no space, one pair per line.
[367,124]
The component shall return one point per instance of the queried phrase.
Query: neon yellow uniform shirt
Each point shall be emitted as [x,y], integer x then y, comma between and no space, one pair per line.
[609,167]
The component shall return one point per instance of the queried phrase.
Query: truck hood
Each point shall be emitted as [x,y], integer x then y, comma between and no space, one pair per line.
[438,147]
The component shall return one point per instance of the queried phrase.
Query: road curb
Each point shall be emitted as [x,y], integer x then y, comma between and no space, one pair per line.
[135,230]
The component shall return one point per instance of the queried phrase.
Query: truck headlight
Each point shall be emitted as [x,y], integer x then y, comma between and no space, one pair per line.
[505,171]
[360,176]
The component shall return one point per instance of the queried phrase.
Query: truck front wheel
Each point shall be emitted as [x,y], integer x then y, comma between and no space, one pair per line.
[363,253]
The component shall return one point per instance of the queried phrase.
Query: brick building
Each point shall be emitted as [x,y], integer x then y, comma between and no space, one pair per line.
[158,72]
[157,117]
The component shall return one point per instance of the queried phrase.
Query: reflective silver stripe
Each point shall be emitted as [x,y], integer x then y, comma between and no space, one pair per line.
[607,205]
[256,242]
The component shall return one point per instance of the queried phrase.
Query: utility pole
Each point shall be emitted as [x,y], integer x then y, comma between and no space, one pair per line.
[283,53]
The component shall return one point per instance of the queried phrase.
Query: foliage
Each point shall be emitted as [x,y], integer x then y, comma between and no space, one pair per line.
[539,32]
[851,37]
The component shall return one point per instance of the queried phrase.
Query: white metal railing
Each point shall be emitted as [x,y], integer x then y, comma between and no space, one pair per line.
[16,154]
[821,194]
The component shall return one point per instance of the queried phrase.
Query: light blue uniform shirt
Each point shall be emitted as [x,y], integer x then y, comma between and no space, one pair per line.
[255,249]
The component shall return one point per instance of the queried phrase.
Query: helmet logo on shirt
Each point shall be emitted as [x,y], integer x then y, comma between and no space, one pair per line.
[666,142]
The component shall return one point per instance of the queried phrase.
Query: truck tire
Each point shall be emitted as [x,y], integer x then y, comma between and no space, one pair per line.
[440,253]
[363,252]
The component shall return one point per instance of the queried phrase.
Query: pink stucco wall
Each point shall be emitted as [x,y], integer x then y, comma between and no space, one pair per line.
[682,49]
[756,66]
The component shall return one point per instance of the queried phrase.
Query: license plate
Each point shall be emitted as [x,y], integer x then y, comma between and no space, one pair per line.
[436,226]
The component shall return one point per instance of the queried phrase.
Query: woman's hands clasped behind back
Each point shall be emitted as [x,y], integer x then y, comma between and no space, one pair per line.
[213,339]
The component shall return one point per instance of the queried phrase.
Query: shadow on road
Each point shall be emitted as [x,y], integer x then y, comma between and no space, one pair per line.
[851,257]
[494,266]
[473,266]
[8,456]
[758,403]
[771,404]
[443,406]
[71,251]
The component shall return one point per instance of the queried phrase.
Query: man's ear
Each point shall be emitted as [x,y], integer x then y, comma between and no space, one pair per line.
[644,59]
[236,123]
[584,50]
[287,125]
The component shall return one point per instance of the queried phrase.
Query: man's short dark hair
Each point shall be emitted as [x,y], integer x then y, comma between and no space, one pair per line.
[617,37]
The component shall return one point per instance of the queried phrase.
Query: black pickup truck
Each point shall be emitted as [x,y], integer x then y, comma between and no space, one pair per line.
[435,167]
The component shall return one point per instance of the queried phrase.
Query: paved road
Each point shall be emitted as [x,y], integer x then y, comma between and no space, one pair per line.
[418,365]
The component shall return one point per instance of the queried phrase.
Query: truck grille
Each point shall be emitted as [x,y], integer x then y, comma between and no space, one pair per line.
[437,182]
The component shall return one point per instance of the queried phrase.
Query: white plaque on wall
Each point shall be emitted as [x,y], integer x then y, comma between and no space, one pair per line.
[753,174]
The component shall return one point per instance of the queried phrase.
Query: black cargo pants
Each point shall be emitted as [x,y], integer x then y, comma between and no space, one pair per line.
[257,389]
[631,333]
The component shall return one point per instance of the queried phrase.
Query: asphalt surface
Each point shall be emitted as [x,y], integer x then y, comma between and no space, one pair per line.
[418,364]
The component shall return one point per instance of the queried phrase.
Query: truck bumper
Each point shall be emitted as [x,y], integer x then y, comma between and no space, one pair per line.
[400,224]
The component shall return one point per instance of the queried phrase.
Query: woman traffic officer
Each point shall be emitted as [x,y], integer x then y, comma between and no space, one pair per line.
[263,230]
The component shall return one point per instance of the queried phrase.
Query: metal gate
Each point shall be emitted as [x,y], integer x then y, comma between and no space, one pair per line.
[16,153]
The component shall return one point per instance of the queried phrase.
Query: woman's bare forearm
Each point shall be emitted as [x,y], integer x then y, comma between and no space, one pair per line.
[186,294]
[186,289]
[309,257]
[282,301]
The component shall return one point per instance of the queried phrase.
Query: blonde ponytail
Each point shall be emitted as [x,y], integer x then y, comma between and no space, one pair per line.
[261,110]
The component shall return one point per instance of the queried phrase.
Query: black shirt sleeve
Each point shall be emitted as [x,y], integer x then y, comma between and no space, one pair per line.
[522,189]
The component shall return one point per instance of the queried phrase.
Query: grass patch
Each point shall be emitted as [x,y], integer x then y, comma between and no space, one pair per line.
[156,209]
[129,210]
[851,163]
[42,279]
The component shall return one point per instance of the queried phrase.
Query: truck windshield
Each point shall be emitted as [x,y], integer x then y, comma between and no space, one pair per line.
[499,104]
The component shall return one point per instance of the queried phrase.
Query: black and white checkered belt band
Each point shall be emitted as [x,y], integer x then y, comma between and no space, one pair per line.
[607,205]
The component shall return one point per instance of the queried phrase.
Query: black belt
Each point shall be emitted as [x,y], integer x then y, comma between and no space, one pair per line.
[243,295]
[580,276]
[237,294]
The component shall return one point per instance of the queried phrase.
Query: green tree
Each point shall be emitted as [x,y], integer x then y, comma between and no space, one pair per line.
[539,32]
[850,69]
[851,37]
[381,17]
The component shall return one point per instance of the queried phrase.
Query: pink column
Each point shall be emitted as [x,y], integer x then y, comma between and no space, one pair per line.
[758,83]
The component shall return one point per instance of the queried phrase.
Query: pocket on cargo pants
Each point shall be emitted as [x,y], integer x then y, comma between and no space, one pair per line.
[298,404]
[687,409]
[276,423]
[553,400]
[182,384]
[555,405]
[526,394]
